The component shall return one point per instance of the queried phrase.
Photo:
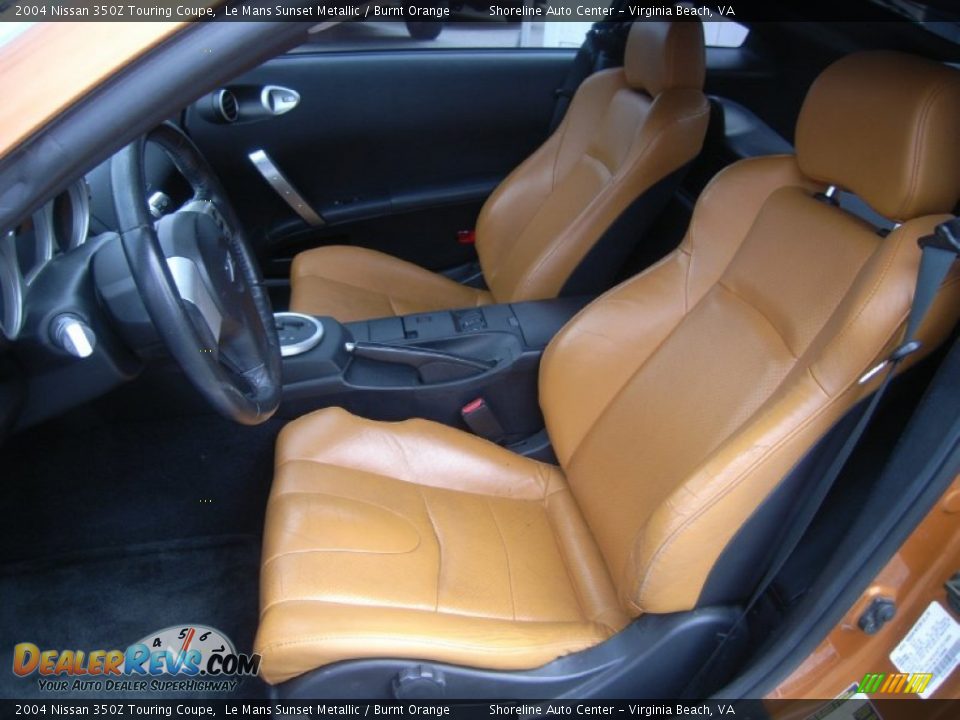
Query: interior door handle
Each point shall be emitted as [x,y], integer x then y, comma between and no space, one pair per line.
[284,188]
[278,100]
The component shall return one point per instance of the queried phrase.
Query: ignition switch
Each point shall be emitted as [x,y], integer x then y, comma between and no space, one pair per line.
[72,335]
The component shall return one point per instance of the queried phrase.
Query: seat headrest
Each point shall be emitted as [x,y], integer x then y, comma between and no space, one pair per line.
[664,55]
[886,127]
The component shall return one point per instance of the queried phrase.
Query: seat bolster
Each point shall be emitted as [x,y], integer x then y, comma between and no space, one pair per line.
[586,364]
[686,535]
[881,298]
[588,571]
[670,137]
[353,283]
[298,636]
[515,202]
[416,451]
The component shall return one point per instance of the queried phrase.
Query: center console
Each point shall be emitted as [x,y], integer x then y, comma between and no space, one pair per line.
[476,363]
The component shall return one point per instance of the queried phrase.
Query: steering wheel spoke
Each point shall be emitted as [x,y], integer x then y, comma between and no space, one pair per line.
[193,289]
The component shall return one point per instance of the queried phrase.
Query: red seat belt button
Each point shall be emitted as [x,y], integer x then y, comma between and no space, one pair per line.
[472,406]
[478,416]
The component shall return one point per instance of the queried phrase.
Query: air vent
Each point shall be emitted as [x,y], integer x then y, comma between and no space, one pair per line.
[228,106]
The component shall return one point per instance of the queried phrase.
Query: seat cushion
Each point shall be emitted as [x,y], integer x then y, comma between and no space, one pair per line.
[352,284]
[417,540]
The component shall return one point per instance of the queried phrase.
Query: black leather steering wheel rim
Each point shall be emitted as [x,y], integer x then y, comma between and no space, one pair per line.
[247,389]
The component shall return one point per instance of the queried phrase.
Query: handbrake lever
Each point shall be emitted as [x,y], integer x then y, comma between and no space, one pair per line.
[433,366]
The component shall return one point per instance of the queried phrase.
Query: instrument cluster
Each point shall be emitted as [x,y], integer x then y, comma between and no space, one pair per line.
[60,226]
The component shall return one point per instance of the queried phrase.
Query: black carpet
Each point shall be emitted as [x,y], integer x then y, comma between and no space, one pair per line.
[92,480]
[121,519]
[108,599]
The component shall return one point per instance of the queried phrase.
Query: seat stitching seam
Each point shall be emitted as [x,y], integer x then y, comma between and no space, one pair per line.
[339,281]
[313,276]
[506,554]
[707,193]
[614,396]
[502,256]
[436,534]
[393,307]
[917,135]
[630,378]
[286,553]
[686,311]
[353,286]
[566,564]
[372,503]
[590,156]
[762,314]
[817,381]
[386,477]
[920,133]
[499,650]
[881,277]
[409,607]
[565,124]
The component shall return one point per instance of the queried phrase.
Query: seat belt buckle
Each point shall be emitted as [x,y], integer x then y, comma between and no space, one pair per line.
[908,348]
[467,237]
[482,422]
[946,236]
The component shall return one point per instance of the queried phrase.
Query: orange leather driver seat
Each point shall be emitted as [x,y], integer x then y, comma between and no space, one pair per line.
[676,404]
[627,134]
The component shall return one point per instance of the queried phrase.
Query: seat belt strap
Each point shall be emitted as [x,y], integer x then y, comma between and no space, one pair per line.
[938,253]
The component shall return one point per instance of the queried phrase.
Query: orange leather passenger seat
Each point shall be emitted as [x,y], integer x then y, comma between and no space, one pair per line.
[627,130]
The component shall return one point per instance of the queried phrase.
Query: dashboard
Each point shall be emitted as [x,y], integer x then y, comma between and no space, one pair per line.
[64,224]
[47,271]
[60,226]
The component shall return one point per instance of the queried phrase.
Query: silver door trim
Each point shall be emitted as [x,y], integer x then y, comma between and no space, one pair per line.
[283,187]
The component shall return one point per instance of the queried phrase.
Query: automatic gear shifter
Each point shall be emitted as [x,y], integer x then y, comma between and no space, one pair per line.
[298,333]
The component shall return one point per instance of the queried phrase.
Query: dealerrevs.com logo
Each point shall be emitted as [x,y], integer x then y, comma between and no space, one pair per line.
[177,658]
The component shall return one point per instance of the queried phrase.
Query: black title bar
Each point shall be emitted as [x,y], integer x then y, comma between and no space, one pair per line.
[476,710]
[397,10]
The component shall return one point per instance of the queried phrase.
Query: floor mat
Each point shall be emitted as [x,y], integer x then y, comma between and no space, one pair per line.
[101,480]
[105,599]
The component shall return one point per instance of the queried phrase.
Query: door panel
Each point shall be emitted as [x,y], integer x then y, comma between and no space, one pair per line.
[395,150]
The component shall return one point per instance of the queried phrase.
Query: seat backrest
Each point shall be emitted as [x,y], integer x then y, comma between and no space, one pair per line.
[678,401]
[621,147]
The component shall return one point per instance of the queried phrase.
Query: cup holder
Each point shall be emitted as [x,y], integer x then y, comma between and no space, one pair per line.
[298,333]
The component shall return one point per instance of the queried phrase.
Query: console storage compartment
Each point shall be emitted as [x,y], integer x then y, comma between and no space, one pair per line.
[431,365]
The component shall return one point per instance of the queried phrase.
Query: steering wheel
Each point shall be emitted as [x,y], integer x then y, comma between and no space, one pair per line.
[199,281]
